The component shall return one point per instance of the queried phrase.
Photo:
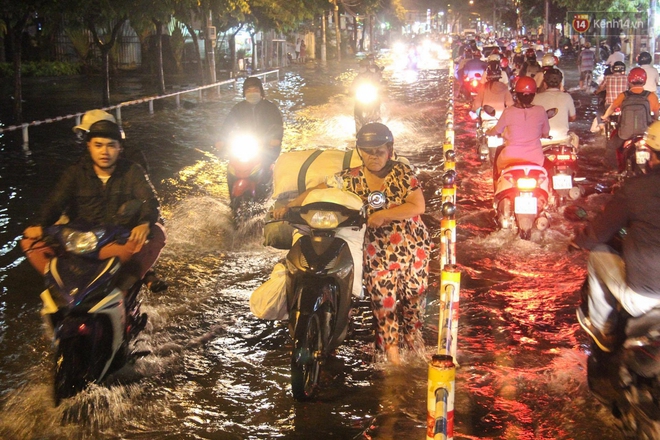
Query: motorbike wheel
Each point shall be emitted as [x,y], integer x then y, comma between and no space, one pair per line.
[306,358]
[504,213]
[525,225]
[71,367]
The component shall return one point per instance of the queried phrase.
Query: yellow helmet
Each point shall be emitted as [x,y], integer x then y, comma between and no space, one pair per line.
[653,136]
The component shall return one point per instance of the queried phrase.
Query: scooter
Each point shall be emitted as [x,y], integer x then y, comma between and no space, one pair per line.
[521,196]
[633,157]
[319,282]
[367,104]
[487,145]
[90,320]
[471,86]
[249,176]
[563,158]
[626,379]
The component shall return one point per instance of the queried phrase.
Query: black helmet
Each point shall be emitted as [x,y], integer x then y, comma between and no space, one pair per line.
[374,134]
[105,129]
[644,58]
[493,71]
[619,67]
[553,77]
[253,81]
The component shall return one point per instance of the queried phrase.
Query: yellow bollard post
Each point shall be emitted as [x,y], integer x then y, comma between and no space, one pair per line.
[450,280]
[447,242]
[440,407]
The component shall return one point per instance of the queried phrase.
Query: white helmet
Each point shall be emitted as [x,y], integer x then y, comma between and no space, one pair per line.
[493,57]
[548,60]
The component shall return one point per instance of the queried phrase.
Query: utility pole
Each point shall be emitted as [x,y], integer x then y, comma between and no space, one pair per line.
[651,43]
[323,38]
[546,25]
[210,47]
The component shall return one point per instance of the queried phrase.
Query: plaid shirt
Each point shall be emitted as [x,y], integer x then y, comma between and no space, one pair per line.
[615,85]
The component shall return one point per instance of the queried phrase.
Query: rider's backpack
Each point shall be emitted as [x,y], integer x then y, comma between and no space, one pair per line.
[635,114]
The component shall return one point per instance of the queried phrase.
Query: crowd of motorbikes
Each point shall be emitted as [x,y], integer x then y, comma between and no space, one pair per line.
[625,380]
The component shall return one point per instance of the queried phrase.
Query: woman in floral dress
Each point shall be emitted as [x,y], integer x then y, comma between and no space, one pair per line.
[397,243]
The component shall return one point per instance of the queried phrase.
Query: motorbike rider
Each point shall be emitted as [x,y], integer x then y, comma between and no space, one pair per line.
[494,93]
[652,79]
[554,97]
[522,126]
[630,278]
[366,75]
[397,243]
[586,62]
[256,115]
[636,79]
[473,68]
[613,84]
[615,56]
[549,61]
[532,68]
[91,191]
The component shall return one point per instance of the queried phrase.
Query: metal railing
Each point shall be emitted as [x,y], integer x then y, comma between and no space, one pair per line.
[117,108]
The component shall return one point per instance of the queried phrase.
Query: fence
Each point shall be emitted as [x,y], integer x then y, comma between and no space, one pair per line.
[150,100]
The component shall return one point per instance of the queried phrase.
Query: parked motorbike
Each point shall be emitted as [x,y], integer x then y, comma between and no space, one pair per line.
[626,379]
[249,175]
[367,104]
[90,320]
[563,158]
[319,282]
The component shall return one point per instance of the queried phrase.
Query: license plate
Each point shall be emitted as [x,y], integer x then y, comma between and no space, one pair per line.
[525,205]
[562,181]
[495,141]
[642,157]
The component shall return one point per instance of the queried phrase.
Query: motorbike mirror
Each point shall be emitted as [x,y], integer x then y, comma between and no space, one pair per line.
[552,112]
[489,109]
[128,210]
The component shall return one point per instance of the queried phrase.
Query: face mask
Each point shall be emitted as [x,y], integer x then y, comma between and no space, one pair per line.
[252,97]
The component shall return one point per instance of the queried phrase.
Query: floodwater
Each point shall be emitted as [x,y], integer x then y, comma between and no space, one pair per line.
[208,369]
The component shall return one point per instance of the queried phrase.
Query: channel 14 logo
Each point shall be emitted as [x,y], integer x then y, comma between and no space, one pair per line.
[605,23]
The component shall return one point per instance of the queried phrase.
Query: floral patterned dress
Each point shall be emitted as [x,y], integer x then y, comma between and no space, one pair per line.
[396,258]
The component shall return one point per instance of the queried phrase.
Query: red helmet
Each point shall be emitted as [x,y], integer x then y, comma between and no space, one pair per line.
[504,62]
[525,85]
[637,76]
[530,53]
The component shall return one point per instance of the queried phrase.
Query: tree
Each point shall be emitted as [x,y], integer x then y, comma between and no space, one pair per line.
[16,15]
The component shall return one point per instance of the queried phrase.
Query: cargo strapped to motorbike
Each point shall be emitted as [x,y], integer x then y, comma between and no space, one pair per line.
[314,166]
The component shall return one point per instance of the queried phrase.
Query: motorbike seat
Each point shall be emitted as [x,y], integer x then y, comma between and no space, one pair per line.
[647,324]
[525,170]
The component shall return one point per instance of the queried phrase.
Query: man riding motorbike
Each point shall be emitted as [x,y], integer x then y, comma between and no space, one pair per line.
[630,278]
[522,126]
[494,93]
[92,191]
[553,97]
[258,116]
[644,60]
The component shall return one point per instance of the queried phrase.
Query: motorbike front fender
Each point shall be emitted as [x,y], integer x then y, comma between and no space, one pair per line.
[244,186]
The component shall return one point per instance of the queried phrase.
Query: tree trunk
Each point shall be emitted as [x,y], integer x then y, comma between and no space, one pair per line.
[323,39]
[198,57]
[337,31]
[159,56]
[232,55]
[18,82]
[355,34]
[105,55]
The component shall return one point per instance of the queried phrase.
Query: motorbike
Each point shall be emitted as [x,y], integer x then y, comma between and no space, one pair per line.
[319,282]
[521,196]
[626,379]
[633,157]
[563,159]
[367,104]
[487,145]
[471,86]
[90,320]
[249,175]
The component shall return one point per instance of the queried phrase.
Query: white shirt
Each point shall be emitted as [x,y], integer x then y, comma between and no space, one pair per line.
[563,102]
[616,56]
[652,78]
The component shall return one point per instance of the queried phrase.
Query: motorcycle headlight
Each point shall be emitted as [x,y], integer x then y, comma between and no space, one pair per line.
[244,148]
[366,93]
[526,183]
[323,219]
[79,242]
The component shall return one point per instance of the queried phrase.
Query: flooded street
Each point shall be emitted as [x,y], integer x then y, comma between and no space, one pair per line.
[208,369]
